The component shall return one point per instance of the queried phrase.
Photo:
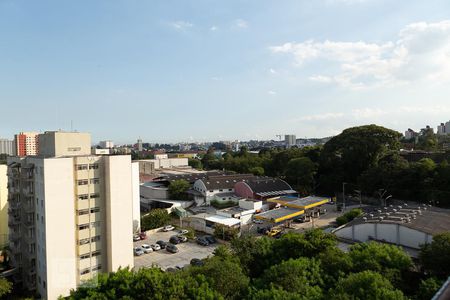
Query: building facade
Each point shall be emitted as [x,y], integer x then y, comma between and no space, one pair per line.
[7,147]
[26,143]
[3,206]
[70,216]
[290,140]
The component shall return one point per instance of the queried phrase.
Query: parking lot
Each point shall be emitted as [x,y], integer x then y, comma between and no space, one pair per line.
[164,259]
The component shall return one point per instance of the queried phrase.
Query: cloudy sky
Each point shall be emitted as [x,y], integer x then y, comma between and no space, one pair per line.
[196,70]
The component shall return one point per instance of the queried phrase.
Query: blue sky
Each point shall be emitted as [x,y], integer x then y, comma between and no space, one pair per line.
[222,70]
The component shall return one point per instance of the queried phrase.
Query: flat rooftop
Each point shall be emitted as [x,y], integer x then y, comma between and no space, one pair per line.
[301,203]
[279,214]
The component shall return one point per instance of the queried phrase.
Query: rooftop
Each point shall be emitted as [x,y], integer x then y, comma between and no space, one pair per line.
[279,214]
[300,203]
[266,187]
[215,182]
[223,220]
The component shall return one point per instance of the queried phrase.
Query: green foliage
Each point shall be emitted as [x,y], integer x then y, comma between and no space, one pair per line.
[428,288]
[178,188]
[302,276]
[366,285]
[5,287]
[349,216]
[195,163]
[274,294]
[226,233]
[154,219]
[222,204]
[146,284]
[301,171]
[435,257]
[257,171]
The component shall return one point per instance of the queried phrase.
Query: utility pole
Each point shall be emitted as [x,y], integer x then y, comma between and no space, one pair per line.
[358,192]
[343,196]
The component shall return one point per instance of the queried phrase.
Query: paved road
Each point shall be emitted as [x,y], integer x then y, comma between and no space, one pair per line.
[164,259]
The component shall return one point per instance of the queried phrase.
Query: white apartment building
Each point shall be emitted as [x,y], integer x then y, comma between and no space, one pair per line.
[7,147]
[71,214]
[106,144]
[290,140]
[3,206]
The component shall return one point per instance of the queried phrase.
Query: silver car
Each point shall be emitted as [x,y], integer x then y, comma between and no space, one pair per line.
[138,251]
[146,248]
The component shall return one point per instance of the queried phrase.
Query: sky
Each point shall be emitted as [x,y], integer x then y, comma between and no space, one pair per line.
[205,70]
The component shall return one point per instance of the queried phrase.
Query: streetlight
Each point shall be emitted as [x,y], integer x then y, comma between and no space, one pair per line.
[343,196]
[385,200]
[358,192]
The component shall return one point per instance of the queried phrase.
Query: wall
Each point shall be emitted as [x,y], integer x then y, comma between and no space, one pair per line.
[136,197]
[3,205]
[243,190]
[56,143]
[119,212]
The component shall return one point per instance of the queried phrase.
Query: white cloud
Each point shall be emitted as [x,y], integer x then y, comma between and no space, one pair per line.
[181,25]
[214,28]
[240,23]
[421,53]
[320,117]
[272,71]
[272,92]
[215,78]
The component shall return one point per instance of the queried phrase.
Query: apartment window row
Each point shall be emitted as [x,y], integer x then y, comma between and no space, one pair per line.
[91,240]
[92,254]
[86,226]
[86,181]
[86,196]
[85,167]
[87,270]
[86,211]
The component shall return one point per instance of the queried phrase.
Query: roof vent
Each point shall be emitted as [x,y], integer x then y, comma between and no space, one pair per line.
[379,211]
[365,219]
[380,218]
[371,215]
[405,204]
[391,205]
[399,207]
[394,210]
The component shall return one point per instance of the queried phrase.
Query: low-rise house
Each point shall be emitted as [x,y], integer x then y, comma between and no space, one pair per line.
[263,188]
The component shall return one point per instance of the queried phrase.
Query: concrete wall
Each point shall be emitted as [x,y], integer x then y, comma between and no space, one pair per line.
[246,204]
[119,212]
[57,143]
[3,205]
[392,233]
[56,230]
[136,197]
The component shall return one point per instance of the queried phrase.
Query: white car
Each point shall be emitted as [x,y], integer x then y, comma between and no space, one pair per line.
[136,238]
[138,251]
[146,248]
[183,231]
[256,221]
[168,228]
[156,247]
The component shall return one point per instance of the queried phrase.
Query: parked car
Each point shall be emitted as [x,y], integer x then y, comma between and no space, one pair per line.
[155,247]
[162,244]
[197,262]
[171,248]
[256,221]
[146,248]
[202,241]
[168,228]
[300,220]
[136,238]
[210,239]
[142,235]
[182,238]
[138,251]
[183,231]
[273,232]
[174,240]
[263,230]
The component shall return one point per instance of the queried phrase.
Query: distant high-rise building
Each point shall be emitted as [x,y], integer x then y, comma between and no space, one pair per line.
[447,127]
[106,144]
[139,145]
[441,129]
[290,140]
[409,134]
[71,214]
[26,143]
[7,147]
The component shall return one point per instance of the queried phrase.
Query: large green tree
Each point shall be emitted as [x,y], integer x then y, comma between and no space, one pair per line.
[5,287]
[300,173]
[178,189]
[435,256]
[156,218]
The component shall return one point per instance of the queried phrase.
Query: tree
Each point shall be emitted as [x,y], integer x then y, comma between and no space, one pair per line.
[178,188]
[335,264]
[225,232]
[156,218]
[389,260]
[195,163]
[300,172]
[258,171]
[435,257]
[366,285]
[349,216]
[275,294]
[5,287]
[428,288]
[302,276]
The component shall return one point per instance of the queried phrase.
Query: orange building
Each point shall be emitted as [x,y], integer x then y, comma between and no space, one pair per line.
[26,143]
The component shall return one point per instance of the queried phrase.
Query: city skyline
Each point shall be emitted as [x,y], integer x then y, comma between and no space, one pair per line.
[209,71]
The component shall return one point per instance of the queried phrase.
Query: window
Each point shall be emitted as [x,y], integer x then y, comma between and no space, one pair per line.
[220,190]
[82,181]
[44,284]
[95,180]
[83,241]
[83,212]
[84,256]
[83,226]
[95,209]
[95,224]
[82,167]
[230,190]
[94,196]
[83,197]
[95,253]
[93,167]
[95,239]
[85,271]
[96,268]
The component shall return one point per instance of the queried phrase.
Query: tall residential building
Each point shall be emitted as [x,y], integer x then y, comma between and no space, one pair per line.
[290,140]
[441,129]
[139,145]
[3,206]
[70,214]
[106,144]
[26,143]
[409,134]
[6,146]
[447,127]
